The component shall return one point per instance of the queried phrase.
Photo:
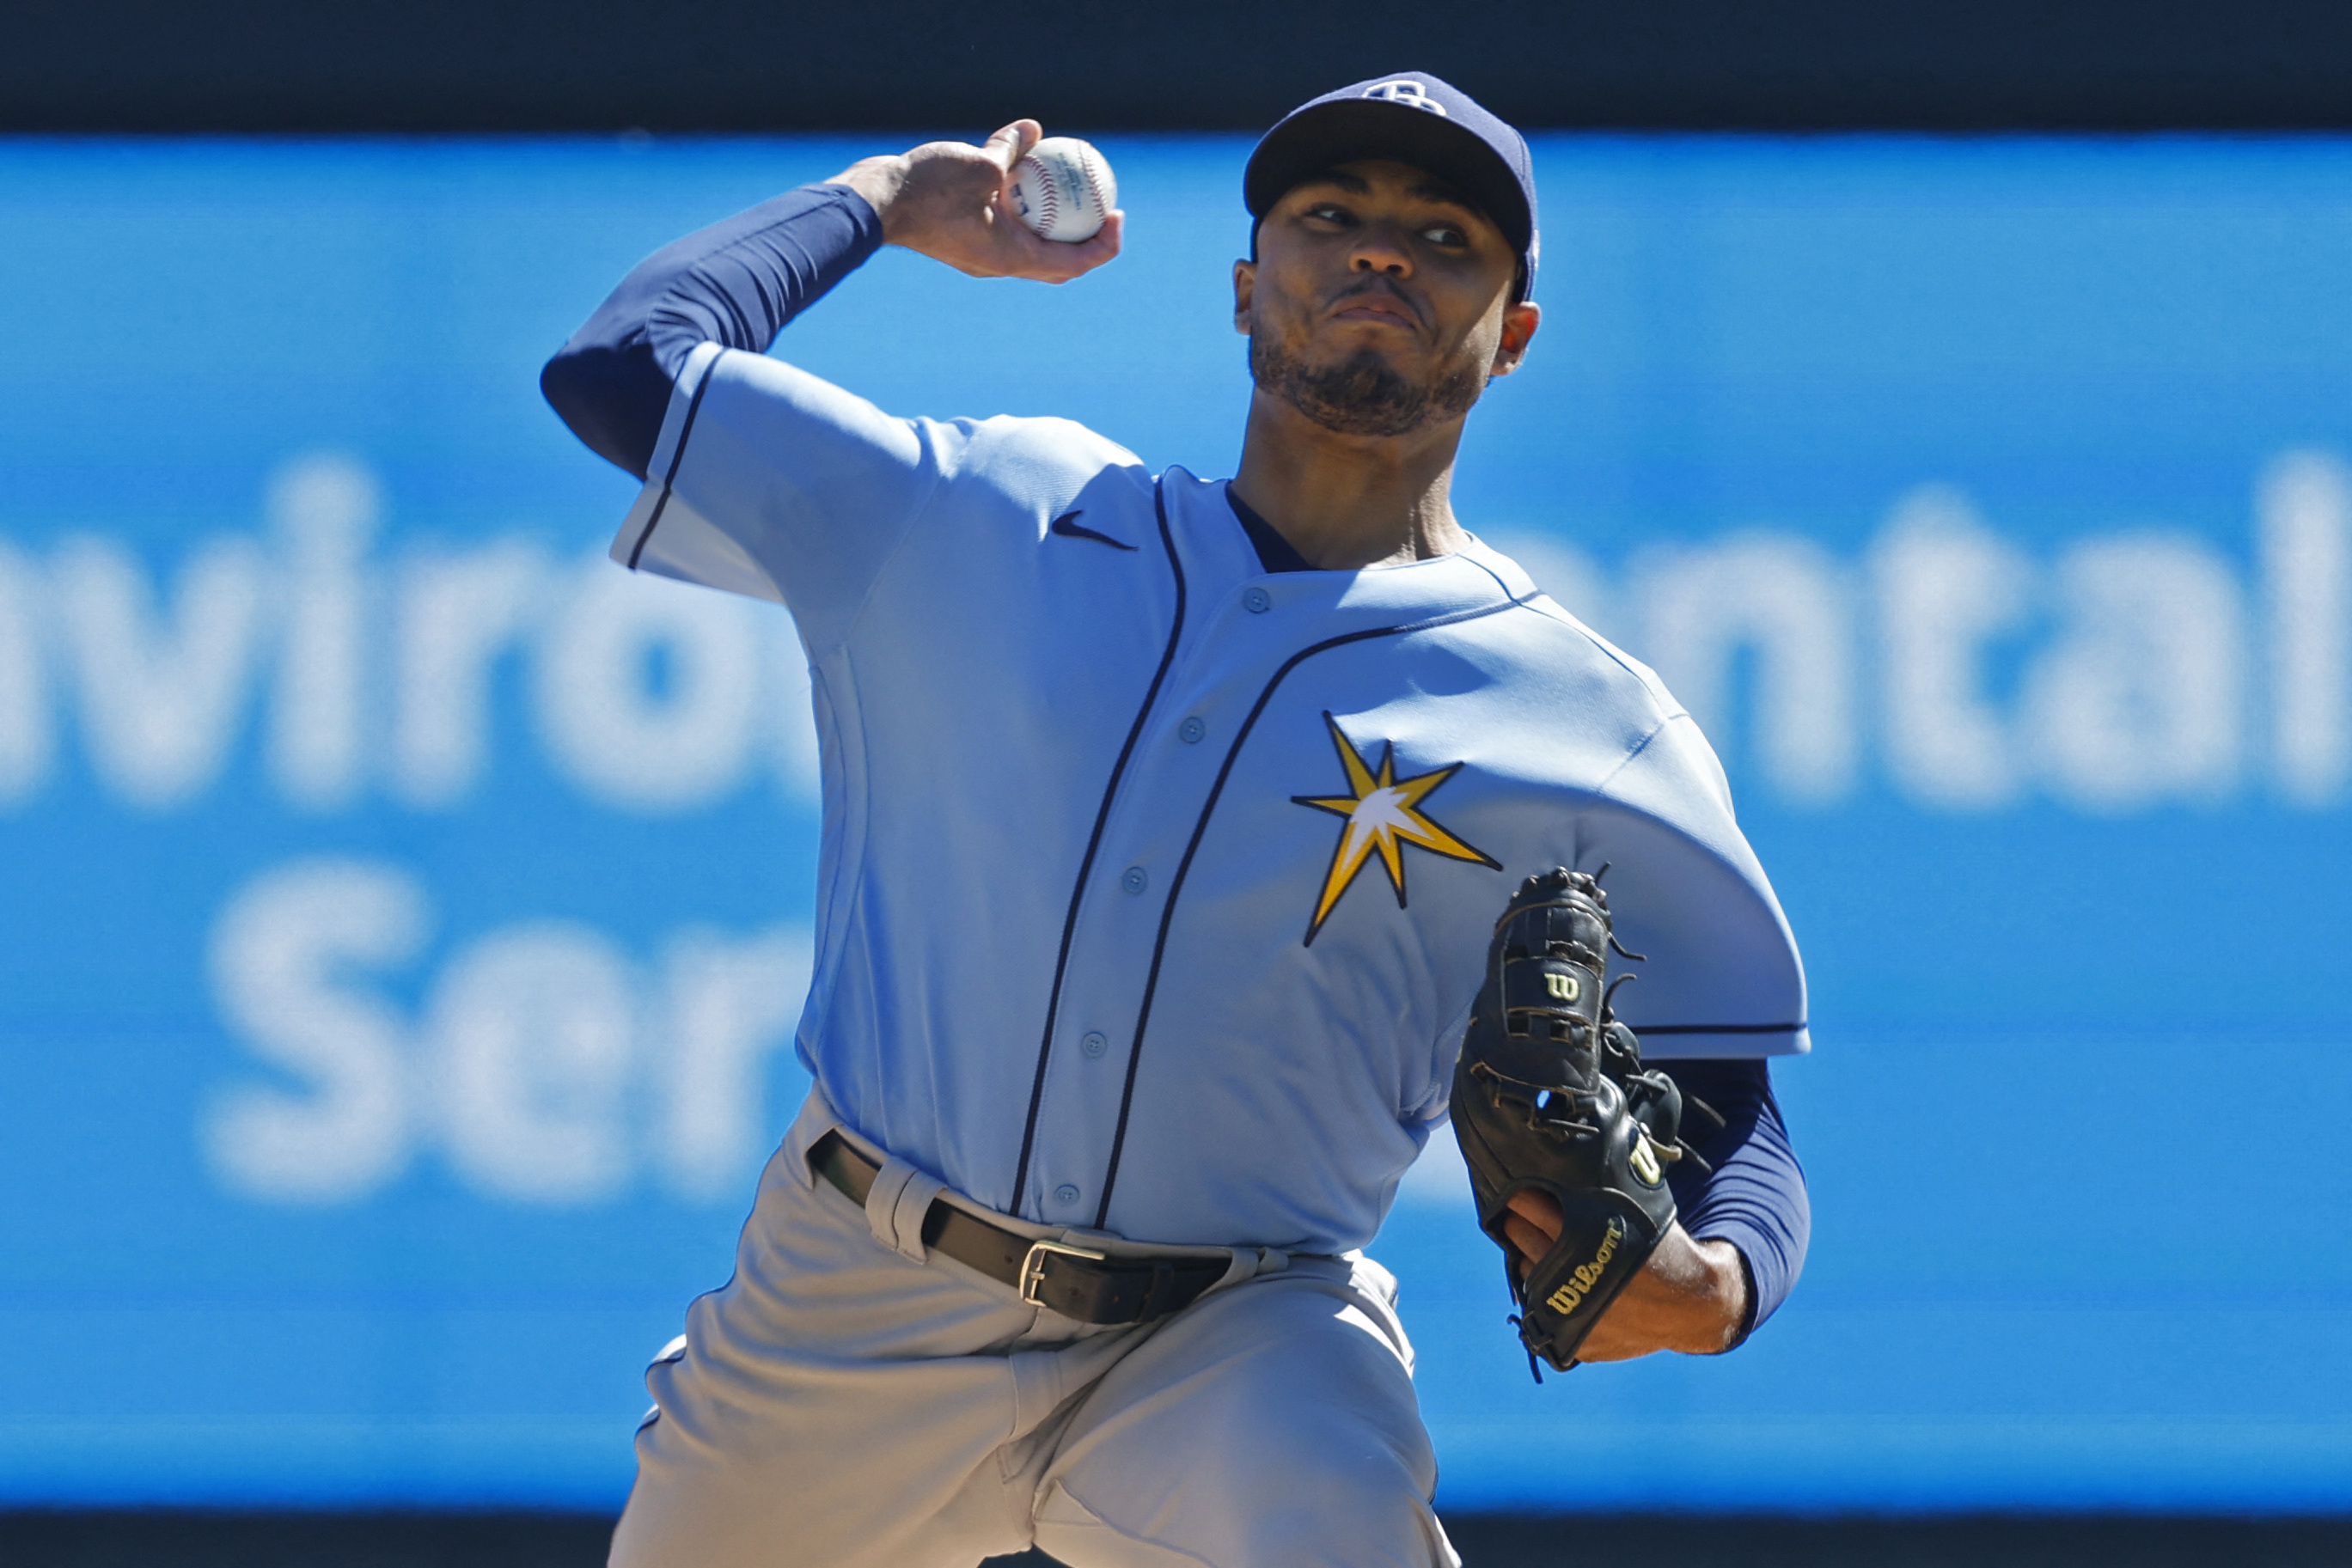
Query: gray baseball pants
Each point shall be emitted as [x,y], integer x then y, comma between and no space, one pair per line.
[847,1400]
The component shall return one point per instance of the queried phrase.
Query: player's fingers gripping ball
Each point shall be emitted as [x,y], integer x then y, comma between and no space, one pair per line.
[1549,1095]
[1062,188]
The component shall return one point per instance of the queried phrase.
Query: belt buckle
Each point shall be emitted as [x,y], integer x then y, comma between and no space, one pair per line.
[1033,1266]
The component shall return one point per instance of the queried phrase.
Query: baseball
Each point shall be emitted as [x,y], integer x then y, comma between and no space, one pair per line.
[1064,189]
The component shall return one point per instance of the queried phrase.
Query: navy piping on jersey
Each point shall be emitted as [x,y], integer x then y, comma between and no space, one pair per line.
[684,431]
[1093,844]
[1200,829]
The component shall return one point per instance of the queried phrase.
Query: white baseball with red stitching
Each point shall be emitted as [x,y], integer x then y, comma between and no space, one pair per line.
[1064,189]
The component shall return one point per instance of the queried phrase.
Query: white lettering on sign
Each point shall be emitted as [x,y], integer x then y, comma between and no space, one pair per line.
[162,687]
[2135,670]
[1787,601]
[294,957]
[2137,700]
[369,674]
[724,1004]
[1947,591]
[1944,661]
[649,690]
[528,1036]
[544,1065]
[324,510]
[458,615]
[27,736]
[2306,511]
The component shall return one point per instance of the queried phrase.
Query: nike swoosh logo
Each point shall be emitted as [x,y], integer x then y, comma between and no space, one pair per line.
[1069,528]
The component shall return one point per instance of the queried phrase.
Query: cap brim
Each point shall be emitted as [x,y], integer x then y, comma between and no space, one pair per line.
[1328,134]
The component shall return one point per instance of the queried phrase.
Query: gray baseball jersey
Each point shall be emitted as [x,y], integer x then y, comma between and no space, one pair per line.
[1155,888]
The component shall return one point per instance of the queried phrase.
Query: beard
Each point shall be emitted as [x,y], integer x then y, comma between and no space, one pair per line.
[1362,394]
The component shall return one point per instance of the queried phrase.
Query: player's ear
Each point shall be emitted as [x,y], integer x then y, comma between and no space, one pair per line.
[1519,324]
[1245,290]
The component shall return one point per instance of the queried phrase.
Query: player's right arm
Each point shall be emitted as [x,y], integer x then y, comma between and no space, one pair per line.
[762,479]
[738,282]
[953,202]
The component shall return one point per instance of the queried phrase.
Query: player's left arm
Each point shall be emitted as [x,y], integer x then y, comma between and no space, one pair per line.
[1723,973]
[1734,1254]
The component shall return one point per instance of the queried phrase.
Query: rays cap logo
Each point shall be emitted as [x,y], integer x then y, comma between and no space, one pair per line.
[1405,91]
[1416,118]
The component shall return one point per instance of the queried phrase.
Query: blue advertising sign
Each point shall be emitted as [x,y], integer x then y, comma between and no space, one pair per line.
[409,912]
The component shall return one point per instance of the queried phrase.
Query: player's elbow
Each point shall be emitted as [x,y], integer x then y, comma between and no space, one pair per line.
[613,400]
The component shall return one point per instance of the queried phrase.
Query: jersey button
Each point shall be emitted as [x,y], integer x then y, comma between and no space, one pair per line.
[1257,600]
[1191,731]
[1135,879]
[1094,1042]
[1066,1194]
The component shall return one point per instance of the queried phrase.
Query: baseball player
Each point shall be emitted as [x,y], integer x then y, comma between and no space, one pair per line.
[1165,823]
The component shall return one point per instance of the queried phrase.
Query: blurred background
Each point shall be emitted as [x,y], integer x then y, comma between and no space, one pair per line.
[407,913]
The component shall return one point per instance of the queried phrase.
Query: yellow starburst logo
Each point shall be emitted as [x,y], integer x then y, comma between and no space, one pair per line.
[1383,814]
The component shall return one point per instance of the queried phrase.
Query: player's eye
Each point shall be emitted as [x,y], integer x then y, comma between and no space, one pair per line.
[1330,213]
[1445,234]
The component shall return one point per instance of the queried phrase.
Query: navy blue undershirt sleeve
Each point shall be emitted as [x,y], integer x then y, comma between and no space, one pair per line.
[736,283]
[1755,1197]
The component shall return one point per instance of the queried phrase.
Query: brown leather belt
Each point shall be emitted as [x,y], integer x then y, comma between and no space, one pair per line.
[1079,1283]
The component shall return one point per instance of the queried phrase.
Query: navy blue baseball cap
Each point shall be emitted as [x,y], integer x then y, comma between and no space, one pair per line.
[1416,118]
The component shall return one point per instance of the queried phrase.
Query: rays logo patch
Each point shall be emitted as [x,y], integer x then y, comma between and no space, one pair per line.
[1383,813]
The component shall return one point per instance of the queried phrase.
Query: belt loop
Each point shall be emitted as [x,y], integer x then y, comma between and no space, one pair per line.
[1247,1264]
[895,1207]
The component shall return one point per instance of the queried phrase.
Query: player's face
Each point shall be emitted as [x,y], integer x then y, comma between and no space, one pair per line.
[1379,300]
